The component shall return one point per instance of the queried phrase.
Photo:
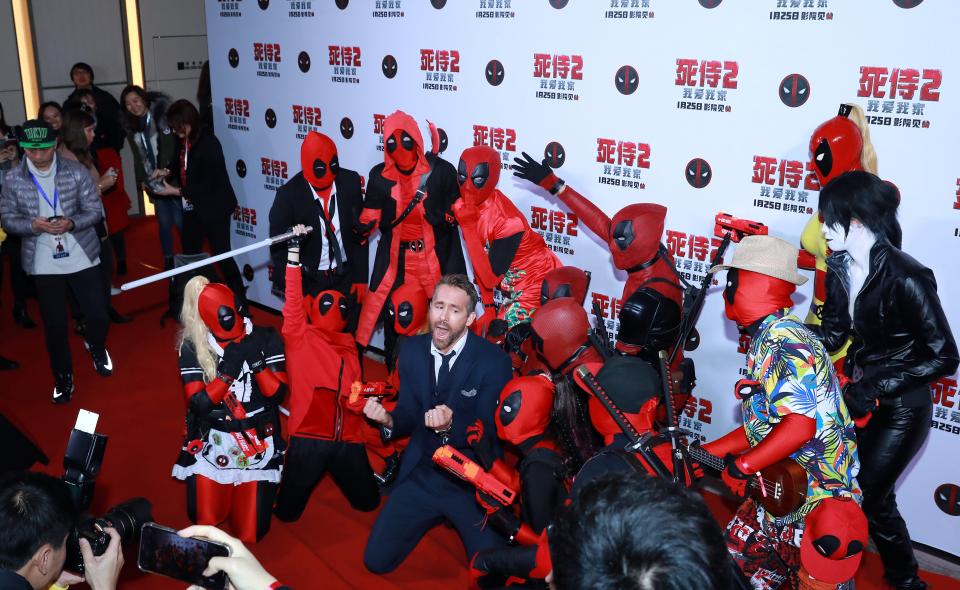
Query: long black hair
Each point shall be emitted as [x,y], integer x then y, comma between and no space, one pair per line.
[868,199]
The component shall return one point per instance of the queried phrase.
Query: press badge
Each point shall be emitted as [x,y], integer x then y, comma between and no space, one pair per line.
[59,252]
[187,205]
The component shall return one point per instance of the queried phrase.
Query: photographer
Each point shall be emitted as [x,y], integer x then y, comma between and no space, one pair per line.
[36,515]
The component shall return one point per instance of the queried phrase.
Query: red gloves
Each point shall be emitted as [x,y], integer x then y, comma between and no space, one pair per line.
[734,477]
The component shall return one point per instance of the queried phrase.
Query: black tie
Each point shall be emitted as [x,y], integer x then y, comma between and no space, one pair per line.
[333,247]
[443,377]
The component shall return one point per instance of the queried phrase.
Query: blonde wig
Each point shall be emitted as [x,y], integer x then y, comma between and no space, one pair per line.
[194,330]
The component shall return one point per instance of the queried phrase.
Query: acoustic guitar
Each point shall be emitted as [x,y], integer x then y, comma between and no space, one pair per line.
[781,488]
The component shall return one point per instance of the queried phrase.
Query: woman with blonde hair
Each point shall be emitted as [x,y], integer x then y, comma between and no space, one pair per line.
[234,378]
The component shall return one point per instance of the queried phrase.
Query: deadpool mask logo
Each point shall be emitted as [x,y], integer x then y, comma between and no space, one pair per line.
[406,142]
[623,234]
[346,128]
[479,176]
[823,158]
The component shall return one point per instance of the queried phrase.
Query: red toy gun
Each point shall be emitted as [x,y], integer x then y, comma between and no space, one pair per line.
[458,464]
[366,389]
[737,228]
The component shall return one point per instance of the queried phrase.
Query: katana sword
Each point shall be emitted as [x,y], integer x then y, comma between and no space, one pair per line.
[201,263]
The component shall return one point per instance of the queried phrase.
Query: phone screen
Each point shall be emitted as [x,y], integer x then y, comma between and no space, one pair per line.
[164,552]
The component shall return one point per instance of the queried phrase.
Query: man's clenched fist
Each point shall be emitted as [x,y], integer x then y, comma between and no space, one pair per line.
[375,411]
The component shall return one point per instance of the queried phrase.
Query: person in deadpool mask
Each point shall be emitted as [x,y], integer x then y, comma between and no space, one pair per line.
[234,377]
[633,235]
[323,364]
[838,145]
[504,251]
[328,198]
[791,406]
[409,198]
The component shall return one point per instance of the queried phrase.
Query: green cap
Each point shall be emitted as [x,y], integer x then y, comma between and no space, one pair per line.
[37,134]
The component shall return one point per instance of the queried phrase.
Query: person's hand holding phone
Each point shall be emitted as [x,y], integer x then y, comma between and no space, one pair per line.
[243,569]
[108,179]
[101,572]
[8,152]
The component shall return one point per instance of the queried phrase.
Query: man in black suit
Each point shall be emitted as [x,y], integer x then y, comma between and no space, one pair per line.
[448,380]
[327,198]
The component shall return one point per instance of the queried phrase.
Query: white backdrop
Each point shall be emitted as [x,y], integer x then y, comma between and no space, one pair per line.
[713,112]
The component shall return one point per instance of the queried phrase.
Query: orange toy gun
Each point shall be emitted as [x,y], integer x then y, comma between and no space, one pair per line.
[737,228]
[458,464]
[366,389]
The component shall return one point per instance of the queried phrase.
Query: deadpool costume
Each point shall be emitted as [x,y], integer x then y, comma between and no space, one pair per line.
[791,406]
[565,281]
[409,198]
[323,364]
[504,251]
[633,235]
[233,452]
[329,199]
[836,147]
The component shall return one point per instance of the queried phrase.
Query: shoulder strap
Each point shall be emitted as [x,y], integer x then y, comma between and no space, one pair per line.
[421,195]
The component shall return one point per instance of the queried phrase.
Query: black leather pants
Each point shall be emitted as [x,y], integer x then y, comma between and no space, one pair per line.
[886,446]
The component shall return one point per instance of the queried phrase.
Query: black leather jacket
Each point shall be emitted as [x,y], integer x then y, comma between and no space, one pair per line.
[901,339]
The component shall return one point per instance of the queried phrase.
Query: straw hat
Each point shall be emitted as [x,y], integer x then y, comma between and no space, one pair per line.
[766,255]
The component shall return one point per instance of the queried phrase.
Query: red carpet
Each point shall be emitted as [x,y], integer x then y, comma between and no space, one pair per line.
[141,409]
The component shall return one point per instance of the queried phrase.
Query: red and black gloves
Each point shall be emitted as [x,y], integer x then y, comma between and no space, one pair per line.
[860,405]
[538,173]
[734,477]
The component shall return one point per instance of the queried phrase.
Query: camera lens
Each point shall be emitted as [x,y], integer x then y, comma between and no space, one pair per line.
[127,518]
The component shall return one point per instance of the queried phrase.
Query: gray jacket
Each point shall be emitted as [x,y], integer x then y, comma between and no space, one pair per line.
[79,200]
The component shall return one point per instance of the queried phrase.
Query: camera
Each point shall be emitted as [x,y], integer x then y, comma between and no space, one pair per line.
[127,518]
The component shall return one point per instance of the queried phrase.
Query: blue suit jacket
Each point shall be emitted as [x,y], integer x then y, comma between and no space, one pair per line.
[475,383]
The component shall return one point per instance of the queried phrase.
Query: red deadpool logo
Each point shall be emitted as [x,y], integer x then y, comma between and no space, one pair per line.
[233,57]
[263,4]
[794,90]
[303,62]
[270,118]
[389,66]
[342,4]
[698,173]
[494,72]
[558,4]
[626,80]
[241,169]
[346,128]
[907,3]
[710,3]
[444,140]
[248,272]
[555,154]
[947,496]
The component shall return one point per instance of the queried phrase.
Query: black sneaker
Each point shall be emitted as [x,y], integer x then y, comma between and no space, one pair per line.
[390,471]
[101,360]
[63,389]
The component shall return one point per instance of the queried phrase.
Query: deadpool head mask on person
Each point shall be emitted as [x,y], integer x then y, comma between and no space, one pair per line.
[632,384]
[407,307]
[750,296]
[327,310]
[478,173]
[649,322]
[401,147]
[635,235]
[318,159]
[560,333]
[835,147]
[524,410]
[219,312]
[565,281]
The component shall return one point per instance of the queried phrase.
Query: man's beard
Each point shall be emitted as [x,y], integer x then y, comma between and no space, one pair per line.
[448,338]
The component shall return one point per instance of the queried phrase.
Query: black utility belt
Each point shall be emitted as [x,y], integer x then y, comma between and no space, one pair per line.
[415,245]
[258,422]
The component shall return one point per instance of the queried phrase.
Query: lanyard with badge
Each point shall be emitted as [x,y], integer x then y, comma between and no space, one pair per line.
[59,251]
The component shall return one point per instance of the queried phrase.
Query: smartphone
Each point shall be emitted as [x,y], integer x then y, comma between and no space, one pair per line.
[54,218]
[164,552]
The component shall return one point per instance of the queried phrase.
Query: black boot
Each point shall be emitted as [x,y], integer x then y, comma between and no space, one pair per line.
[389,471]
[121,268]
[8,364]
[118,318]
[22,319]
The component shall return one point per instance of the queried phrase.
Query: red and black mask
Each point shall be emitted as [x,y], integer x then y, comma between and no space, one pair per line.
[565,281]
[478,173]
[218,311]
[633,385]
[635,234]
[407,308]
[835,147]
[319,161]
[648,321]
[403,153]
[524,410]
[327,310]
[560,332]
[750,296]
